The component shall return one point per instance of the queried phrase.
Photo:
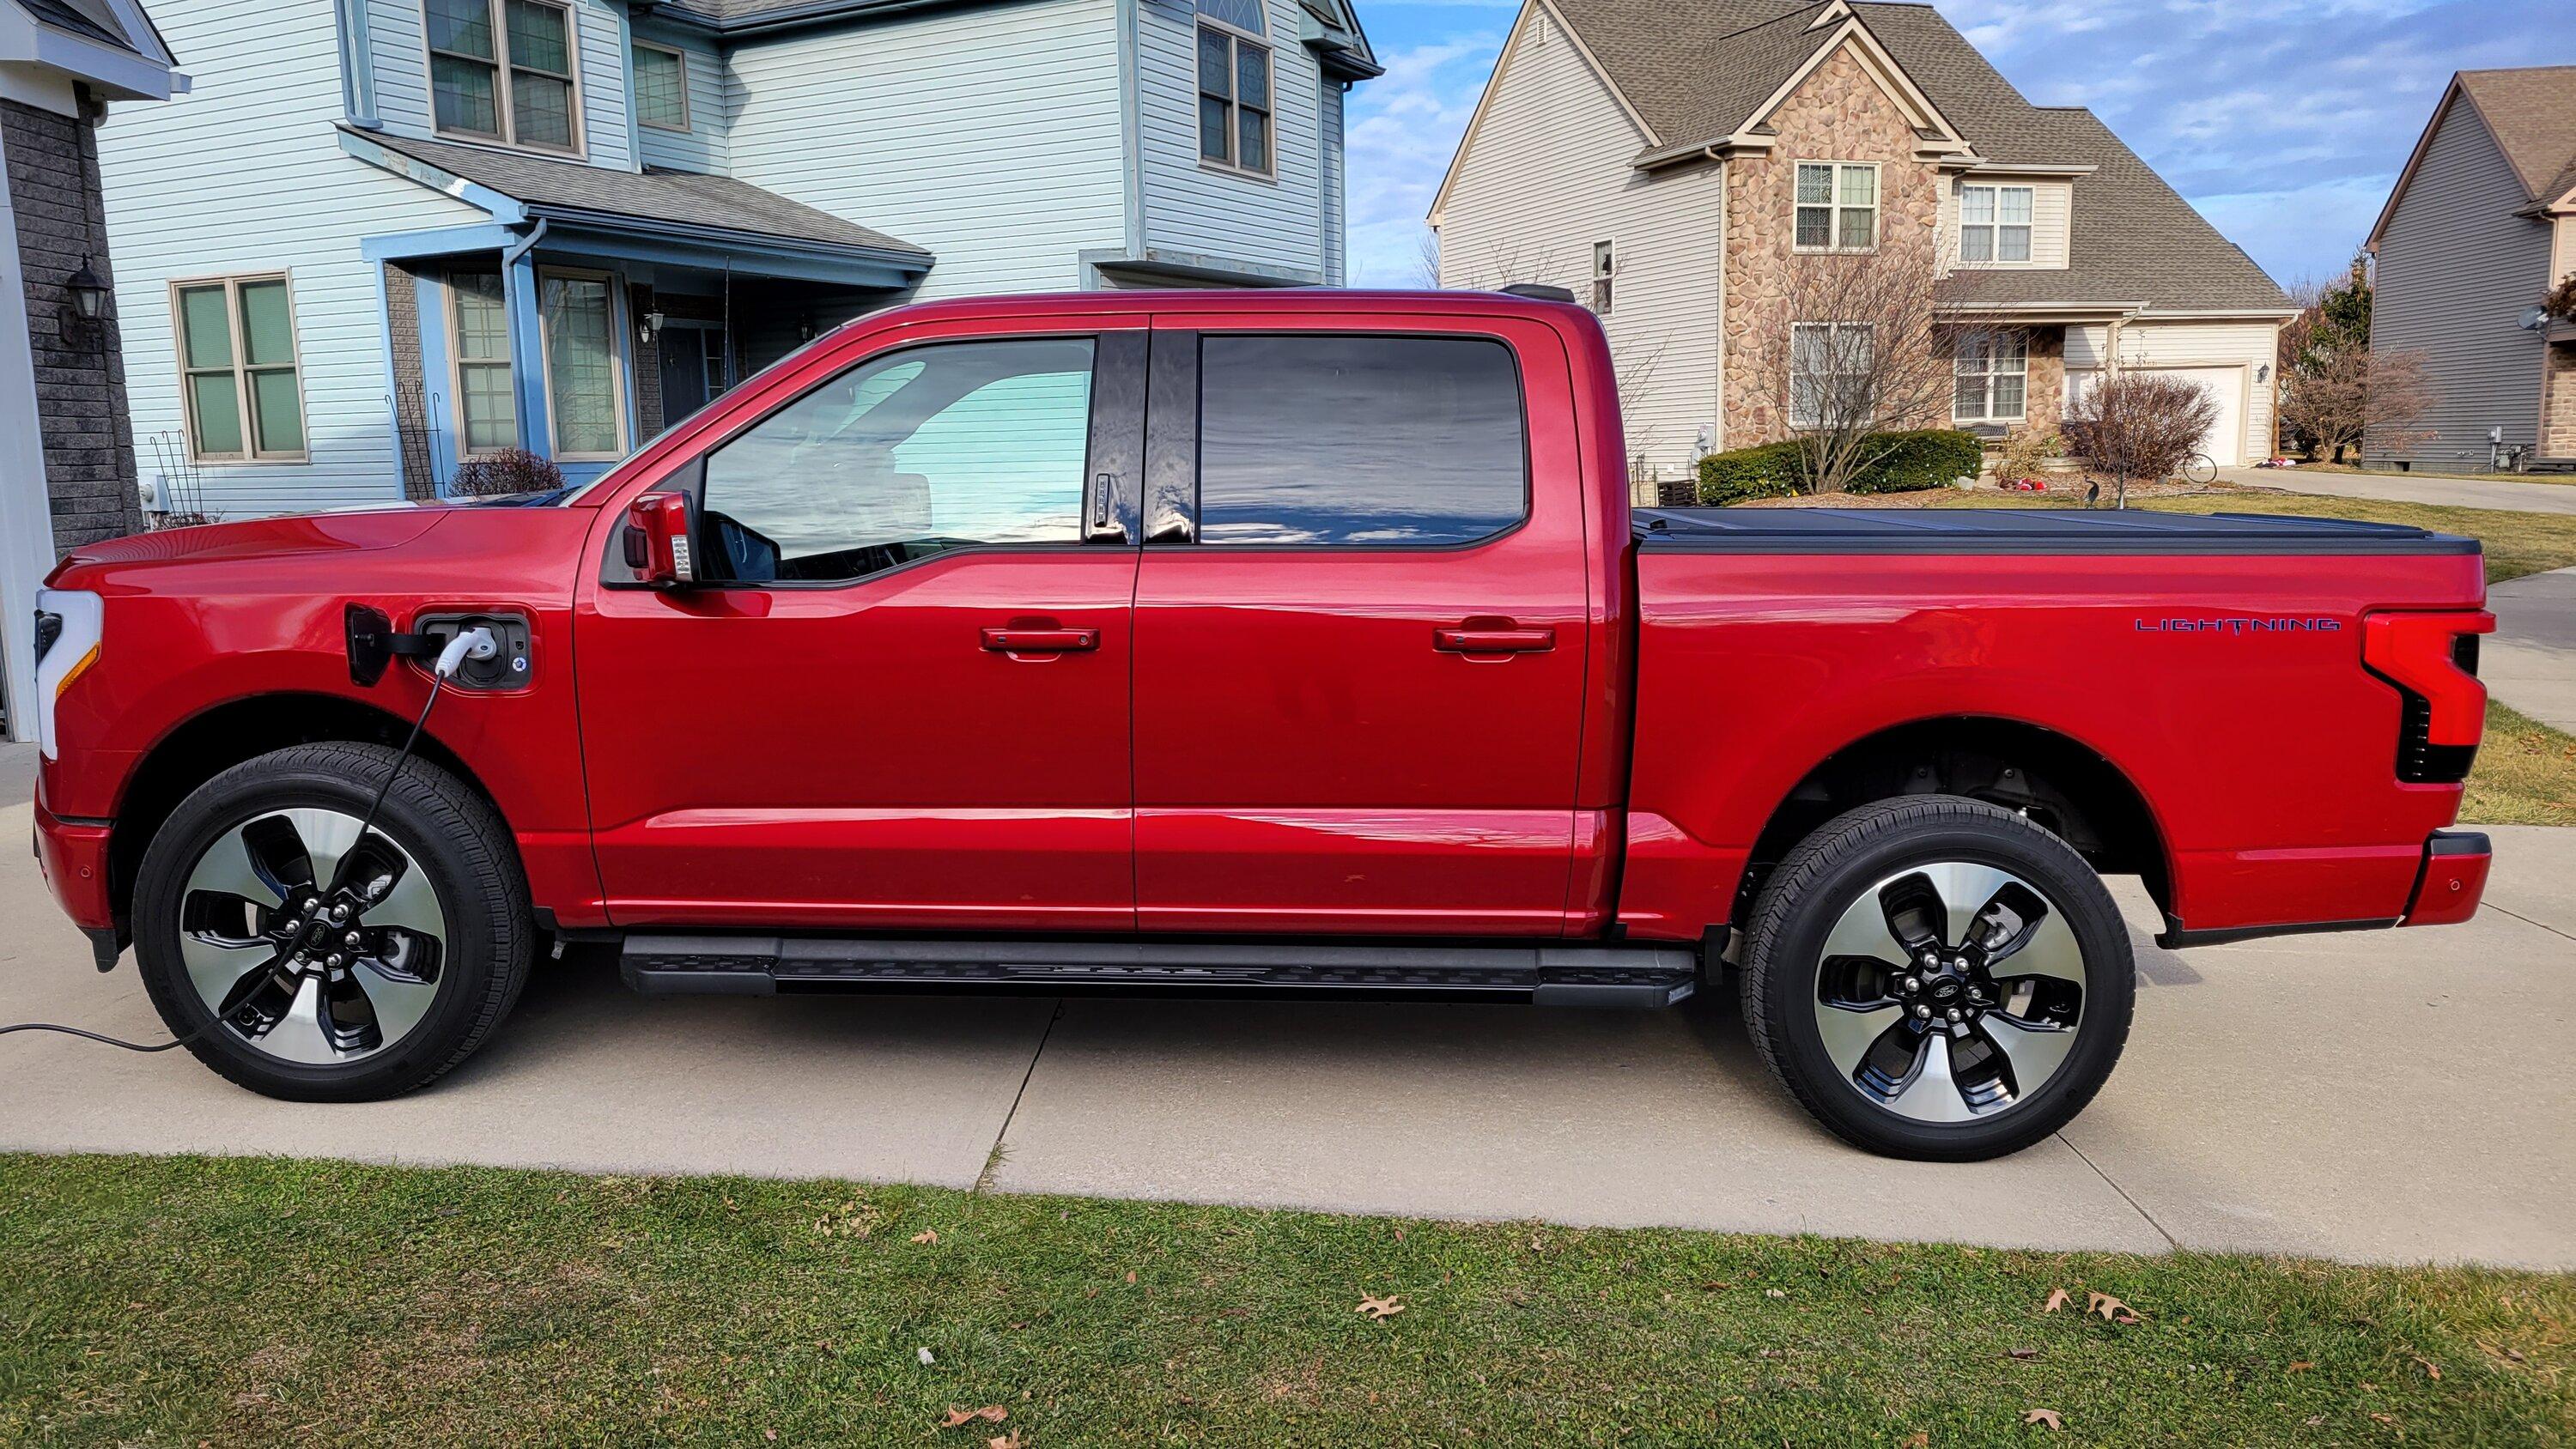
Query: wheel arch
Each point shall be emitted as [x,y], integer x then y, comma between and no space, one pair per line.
[2059,781]
[224,735]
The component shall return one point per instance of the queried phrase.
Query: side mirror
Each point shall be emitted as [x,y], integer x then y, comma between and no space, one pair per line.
[658,529]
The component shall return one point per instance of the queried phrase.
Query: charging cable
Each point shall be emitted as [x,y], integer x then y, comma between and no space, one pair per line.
[477,644]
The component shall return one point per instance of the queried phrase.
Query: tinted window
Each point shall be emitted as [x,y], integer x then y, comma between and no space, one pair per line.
[912,454]
[1358,440]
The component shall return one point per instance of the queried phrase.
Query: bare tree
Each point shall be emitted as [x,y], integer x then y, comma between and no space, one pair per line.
[1426,259]
[2339,396]
[1866,357]
[2138,427]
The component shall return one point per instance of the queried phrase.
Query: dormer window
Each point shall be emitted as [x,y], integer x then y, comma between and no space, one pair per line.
[506,78]
[1994,223]
[1837,206]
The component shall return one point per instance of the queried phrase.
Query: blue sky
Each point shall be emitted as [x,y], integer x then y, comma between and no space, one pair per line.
[2283,122]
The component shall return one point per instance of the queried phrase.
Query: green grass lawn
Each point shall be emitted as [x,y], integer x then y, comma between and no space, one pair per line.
[188,1301]
[2525,774]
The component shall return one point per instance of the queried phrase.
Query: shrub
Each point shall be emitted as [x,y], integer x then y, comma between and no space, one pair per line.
[512,470]
[2025,453]
[2138,427]
[2561,301]
[1907,462]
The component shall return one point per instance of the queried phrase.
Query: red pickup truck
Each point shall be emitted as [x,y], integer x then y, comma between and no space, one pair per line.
[1277,643]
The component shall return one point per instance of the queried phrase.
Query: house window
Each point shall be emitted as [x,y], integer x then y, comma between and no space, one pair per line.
[661,87]
[583,400]
[510,81]
[1604,262]
[1837,207]
[238,376]
[1994,223]
[1831,374]
[1992,376]
[1234,101]
[487,405]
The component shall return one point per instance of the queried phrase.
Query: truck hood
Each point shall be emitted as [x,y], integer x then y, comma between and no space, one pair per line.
[262,538]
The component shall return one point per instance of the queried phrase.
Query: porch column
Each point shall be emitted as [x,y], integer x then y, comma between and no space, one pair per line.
[527,351]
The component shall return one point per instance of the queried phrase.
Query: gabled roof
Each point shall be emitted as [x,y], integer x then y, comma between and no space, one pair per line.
[2532,115]
[1704,72]
[571,191]
[1336,37]
[111,43]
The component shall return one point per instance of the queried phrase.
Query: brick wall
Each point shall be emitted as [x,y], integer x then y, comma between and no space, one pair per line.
[80,369]
[648,367]
[411,389]
[1838,114]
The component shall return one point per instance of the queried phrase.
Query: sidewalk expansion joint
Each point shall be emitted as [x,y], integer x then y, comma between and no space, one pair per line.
[993,1159]
[2134,1205]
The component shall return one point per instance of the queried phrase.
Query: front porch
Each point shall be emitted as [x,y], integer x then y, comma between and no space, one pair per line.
[596,308]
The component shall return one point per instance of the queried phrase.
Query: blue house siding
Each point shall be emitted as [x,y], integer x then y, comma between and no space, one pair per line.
[240,176]
[1200,211]
[990,135]
[705,146]
[401,48]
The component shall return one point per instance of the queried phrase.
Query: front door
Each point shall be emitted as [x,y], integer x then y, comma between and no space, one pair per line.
[901,700]
[1360,629]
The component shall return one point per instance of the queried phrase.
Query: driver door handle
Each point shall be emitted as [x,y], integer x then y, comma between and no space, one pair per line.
[1041,640]
[1464,640]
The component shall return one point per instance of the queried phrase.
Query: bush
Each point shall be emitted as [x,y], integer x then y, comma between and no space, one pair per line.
[512,470]
[1906,462]
[2025,453]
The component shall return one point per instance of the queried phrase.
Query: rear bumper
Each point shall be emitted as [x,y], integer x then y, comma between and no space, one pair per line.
[2454,878]
[2450,877]
[73,856]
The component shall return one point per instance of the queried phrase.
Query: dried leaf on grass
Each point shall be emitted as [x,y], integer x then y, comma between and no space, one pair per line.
[2043,1416]
[990,1413]
[2110,1308]
[2057,1299]
[1379,1308]
[926,1236]
[1010,1440]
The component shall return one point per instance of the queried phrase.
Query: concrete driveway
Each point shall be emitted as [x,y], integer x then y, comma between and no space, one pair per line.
[2388,1097]
[2414,488]
[2530,660]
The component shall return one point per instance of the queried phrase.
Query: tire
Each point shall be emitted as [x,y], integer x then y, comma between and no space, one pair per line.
[431,955]
[2200,469]
[2042,973]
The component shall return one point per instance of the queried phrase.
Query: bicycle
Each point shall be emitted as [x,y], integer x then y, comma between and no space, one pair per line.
[2197,468]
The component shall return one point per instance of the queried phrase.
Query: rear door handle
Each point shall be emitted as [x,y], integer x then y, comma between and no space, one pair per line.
[1041,640]
[1493,641]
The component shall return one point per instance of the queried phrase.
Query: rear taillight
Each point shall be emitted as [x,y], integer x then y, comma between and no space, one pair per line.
[2432,659]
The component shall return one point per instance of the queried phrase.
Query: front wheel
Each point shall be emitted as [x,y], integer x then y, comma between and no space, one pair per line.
[2200,468]
[1938,978]
[308,959]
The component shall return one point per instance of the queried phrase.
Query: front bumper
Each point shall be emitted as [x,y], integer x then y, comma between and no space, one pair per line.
[73,856]
[2453,879]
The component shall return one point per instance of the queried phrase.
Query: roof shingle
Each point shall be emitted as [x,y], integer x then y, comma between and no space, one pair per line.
[2532,114]
[718,203]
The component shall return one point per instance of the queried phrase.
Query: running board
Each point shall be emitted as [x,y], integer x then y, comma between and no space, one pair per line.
[724,965]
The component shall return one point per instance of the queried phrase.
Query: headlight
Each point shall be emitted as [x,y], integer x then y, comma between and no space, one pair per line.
[68,628]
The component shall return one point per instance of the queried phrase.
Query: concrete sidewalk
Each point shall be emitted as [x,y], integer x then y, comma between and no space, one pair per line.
[2414,488]
[2384,1097]
[2530,660]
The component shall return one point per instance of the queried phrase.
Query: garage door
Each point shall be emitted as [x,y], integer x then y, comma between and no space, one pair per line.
[2225,440]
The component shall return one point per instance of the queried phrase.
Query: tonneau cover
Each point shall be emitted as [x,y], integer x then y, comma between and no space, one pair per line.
[2023,531]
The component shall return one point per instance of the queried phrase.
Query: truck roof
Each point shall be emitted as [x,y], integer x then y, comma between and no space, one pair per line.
[2024,531]
[1286,301]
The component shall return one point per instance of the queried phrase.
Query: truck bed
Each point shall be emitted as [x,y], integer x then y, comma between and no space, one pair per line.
[2023,531]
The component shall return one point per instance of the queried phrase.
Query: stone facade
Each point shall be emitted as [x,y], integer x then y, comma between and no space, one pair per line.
[1838,114]
[80,367]
[2558,401]
[2045,402]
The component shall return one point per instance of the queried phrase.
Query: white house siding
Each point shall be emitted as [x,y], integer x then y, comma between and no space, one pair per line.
[1204,211]
[705,146]
[396,33]
[1543,176]
[989,135]
[242,175]
[2225,356]
[2456,271]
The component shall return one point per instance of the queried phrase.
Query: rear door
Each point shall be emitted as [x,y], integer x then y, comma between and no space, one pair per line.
[1360,627]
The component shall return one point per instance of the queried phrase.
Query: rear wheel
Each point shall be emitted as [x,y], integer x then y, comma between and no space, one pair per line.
[319,963]
[1938,978]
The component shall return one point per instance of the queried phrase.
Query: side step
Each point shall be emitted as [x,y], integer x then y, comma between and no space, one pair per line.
[729,965]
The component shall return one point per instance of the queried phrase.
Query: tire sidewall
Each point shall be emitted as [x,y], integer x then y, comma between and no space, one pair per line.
[2006,843]
[477,938]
